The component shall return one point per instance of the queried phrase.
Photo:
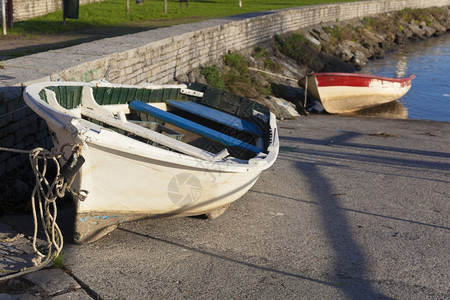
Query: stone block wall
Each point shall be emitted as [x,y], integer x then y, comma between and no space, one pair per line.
[146,58]
[22,129]
[27,9]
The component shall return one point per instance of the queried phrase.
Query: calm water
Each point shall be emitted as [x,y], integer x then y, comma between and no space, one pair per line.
[429,96]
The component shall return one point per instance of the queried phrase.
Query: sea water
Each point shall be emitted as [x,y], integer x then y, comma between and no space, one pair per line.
[429,60]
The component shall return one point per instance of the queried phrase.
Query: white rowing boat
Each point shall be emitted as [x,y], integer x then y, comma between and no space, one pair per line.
[347,92]
[154,151]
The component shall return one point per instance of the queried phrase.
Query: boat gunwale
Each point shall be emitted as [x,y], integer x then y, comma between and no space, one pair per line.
[238,165]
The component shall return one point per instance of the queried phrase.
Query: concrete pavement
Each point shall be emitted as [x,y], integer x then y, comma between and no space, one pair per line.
[354,208]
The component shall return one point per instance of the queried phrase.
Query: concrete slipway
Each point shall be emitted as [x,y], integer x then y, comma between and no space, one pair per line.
[354,208]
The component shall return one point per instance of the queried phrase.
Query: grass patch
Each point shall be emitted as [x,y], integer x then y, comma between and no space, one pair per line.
[335,33]
[234,76]
[419,15]
[236,62]
[236,72]
[260,53]
[379,24]
[298,47]
[58,261]
[150,14]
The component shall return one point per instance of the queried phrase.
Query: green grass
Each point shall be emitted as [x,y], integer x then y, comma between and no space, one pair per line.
[111,13]
[58,261]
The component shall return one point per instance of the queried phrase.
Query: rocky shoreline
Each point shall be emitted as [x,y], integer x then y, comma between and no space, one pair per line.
[273,69]
[359,41]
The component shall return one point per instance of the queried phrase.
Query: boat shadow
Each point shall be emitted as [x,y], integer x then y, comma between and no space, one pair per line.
[351,265]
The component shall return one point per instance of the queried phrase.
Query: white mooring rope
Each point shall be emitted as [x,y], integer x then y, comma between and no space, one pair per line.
[44,197]
[306,92]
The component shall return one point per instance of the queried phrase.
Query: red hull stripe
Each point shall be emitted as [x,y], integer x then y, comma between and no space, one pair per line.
[356,80]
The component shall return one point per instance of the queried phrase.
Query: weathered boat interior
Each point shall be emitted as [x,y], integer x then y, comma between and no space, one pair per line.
[206,118]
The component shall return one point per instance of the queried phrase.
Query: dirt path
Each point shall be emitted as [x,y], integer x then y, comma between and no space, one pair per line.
[14,46]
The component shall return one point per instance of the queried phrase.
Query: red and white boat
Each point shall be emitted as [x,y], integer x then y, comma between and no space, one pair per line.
[348,92]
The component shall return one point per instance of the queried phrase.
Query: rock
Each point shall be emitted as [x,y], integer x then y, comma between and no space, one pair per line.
[345,53]
[291,69]
[73,295]
[293,95]
[182,78]
[196,76]
[318,33]
[312,39]
[260,80]
[374,44]
[355,47]
[429,31]
[333,64]
[406,30]
[289,93]
[360,59]
[438,26]
[416,30]
[281,108]
[371,38]
[287,106]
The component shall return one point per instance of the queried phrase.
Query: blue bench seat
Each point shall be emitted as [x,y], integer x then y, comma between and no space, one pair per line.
[217,116]
[193,127]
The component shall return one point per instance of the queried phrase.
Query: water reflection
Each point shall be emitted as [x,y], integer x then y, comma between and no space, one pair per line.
[394,66]
[402,66]
[391,110]
[429,60]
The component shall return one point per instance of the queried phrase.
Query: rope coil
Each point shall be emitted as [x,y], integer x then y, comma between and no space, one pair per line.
[44,197]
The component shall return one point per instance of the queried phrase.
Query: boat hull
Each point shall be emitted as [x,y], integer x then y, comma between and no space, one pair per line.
[124,179]
[344,92]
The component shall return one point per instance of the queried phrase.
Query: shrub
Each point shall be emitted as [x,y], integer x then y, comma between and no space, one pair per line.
[213,76]
[237,62]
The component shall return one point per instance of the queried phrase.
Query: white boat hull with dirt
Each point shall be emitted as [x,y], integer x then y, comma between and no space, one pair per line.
[131,172]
